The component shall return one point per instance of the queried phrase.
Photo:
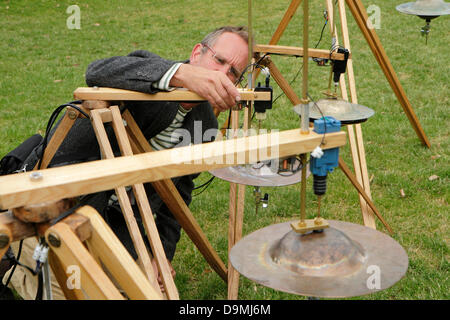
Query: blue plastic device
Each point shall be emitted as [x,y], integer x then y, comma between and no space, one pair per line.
[329,159]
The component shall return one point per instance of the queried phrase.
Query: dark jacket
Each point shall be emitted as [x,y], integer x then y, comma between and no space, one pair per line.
[136,72]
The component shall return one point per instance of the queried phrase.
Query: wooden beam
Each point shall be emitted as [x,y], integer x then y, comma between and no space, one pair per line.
[117,259]
[281,81]
[70,251]
[361,191]
[90,177]
[181,94]
[285,21]
[124,201]
[145,210]
[359,13]
[297,51]
[359,157]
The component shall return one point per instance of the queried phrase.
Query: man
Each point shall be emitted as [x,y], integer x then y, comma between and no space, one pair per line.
[214,66]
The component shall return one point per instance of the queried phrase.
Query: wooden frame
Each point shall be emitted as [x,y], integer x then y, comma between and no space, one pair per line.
[354,131]
[66,182]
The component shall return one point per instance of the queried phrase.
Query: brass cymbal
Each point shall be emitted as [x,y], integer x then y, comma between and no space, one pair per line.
[425,8]
[343,260]
[258,175]
[344,111]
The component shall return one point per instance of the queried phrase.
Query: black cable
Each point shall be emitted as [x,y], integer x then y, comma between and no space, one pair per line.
[256,65]
[295,77]
[321,33]
[19,252]
[205,185]
[51,122]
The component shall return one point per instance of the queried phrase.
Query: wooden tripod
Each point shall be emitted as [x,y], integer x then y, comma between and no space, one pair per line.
[360,179]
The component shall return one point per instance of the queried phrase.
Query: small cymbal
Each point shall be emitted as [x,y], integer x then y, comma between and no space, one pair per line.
[343,260]
[425,8]
[258,175]
[344,111]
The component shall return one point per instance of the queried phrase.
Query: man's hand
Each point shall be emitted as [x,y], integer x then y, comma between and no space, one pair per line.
[212,85]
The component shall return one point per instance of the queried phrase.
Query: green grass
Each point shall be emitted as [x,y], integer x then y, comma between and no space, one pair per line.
[42,62]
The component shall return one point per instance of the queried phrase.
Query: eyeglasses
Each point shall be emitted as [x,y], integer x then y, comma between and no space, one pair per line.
[235,74]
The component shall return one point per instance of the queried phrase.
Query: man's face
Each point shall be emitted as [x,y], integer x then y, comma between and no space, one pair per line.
[229,55]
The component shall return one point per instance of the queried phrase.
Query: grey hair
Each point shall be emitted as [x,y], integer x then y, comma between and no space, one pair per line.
[211,38]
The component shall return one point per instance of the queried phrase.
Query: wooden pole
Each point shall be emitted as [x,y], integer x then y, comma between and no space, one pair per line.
[127,210]
[354,131]
[359,13]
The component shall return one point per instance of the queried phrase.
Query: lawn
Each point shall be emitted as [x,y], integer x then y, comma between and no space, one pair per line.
[42,62]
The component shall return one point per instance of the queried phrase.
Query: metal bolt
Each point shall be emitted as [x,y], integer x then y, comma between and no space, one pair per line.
[35,176]
[72,115]
[4,240]
[54,240]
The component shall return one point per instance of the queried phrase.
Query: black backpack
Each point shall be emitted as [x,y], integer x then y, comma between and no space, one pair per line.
[14,160]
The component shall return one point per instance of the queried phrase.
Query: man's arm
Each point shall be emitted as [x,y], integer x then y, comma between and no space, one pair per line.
[136,71]
[142,71]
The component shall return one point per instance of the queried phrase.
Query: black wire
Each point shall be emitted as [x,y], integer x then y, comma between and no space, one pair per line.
[51,122]
[19,252]
[321,33]
[82,202]
[202,185]
[256,65]
[205,185]
[295,77]
[298,72]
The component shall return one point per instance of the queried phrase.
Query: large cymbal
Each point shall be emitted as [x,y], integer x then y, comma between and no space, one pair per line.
[342,261]
[344,111]
[258,175]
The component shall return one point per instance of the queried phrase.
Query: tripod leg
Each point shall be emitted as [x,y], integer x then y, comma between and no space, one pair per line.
[172,198]
[282,26]
[145,210]
[116,258]
[58,137]
[231,233]
[61,278]
[236,215]
[355,131]
[361,18]
[281,81]
[124,201]
[285,21]
[69,249]
[361,191]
